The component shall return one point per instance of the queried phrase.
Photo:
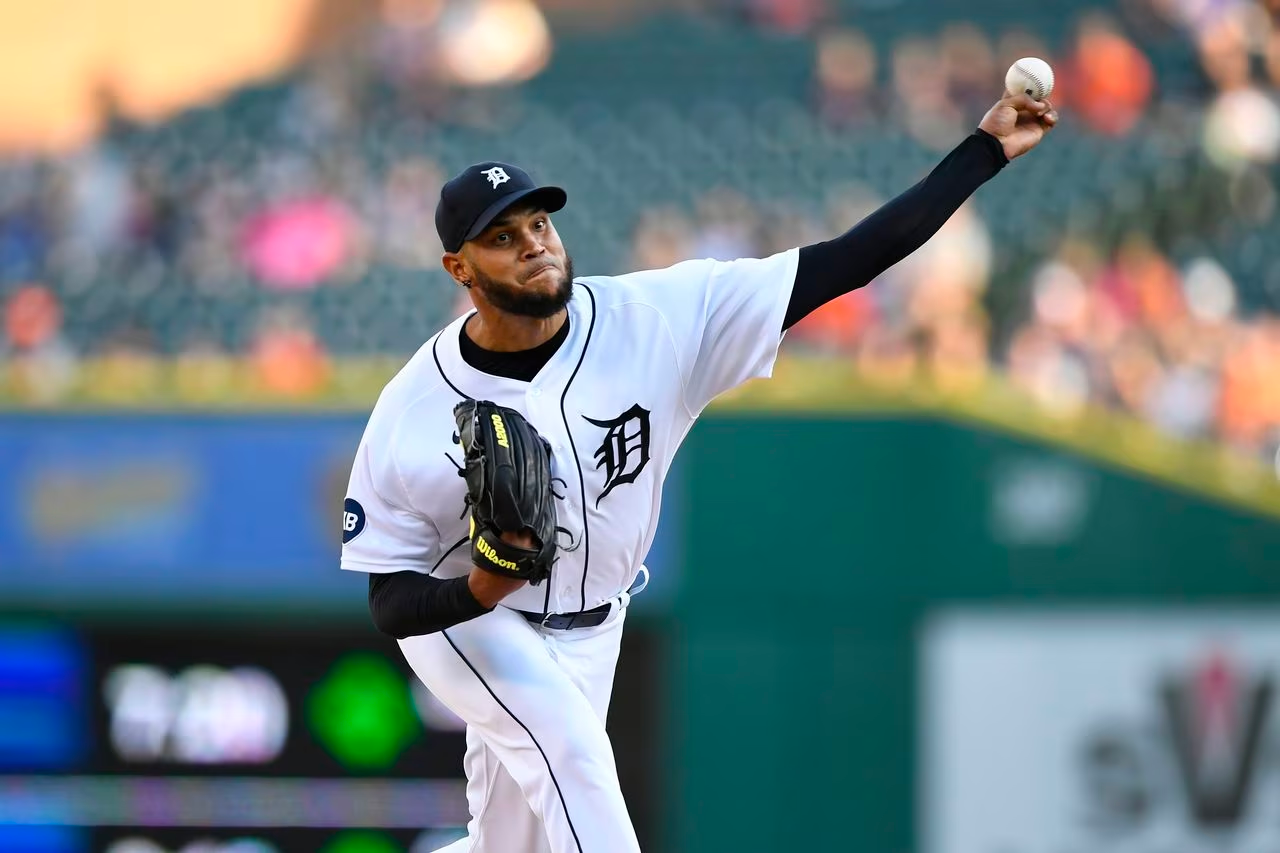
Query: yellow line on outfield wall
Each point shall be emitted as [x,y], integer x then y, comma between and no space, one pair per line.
[1206,468]
[800,386]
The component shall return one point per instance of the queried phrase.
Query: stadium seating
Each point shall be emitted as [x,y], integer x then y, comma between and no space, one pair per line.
[653,116]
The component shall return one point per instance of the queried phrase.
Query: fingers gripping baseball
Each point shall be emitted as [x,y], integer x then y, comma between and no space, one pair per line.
[507,469]
[1020,120]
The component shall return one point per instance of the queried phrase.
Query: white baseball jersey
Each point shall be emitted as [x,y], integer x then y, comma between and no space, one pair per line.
[646,352]
[644,355]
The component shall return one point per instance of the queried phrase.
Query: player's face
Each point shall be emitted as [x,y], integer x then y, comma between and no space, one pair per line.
[519,265]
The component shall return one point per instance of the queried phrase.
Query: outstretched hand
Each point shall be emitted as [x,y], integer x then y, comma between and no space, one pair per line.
[1019,122]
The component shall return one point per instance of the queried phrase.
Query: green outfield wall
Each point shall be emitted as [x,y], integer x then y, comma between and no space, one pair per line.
[817,543]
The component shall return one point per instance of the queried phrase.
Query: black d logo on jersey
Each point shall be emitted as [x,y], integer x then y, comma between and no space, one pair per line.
[625,449]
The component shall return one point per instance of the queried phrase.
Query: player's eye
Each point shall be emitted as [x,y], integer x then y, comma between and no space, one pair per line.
[504,237]
[540,224]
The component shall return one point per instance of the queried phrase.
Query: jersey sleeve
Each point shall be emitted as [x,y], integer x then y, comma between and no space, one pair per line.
[725,318]
[381,531]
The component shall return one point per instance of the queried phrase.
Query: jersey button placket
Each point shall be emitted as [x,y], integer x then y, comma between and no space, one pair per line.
[567,590]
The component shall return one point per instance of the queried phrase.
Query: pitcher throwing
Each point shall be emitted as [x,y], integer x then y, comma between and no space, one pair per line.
[508,484]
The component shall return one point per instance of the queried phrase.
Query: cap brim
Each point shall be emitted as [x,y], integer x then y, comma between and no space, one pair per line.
[549,199]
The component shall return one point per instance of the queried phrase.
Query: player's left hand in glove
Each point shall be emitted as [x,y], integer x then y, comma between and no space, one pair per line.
[507,466]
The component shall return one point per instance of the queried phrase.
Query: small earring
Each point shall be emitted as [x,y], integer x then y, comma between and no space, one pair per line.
[466,284]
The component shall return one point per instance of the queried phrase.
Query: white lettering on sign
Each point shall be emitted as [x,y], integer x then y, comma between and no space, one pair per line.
[203,715]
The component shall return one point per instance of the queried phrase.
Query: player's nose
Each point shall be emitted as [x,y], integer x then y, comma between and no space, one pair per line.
[534,247]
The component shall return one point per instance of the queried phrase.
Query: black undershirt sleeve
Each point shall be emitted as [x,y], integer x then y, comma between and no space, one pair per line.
[406,604]
[835,267]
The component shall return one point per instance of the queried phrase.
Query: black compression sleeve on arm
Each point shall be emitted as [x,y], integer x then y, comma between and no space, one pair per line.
[406,604]
[833,268]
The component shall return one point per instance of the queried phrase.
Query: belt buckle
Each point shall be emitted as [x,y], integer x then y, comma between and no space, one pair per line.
[567,621]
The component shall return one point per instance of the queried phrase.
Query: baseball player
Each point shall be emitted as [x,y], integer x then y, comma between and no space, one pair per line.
[508,484]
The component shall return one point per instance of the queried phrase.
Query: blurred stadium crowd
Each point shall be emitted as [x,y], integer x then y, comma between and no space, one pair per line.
[1129,262]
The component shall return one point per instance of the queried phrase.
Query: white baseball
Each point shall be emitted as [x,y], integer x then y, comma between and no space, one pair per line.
[1030,75]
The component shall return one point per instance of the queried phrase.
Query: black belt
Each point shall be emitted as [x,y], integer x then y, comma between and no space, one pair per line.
[584,618]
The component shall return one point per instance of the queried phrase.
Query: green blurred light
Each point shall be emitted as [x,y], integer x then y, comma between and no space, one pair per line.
[362,712]
[362,842]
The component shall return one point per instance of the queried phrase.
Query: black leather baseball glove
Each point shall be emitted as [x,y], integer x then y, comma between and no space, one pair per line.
[507,466]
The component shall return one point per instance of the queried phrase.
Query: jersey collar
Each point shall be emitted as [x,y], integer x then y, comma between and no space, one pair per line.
[476,384]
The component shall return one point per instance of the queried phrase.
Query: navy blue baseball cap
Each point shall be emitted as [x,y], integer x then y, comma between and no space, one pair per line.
[475,197]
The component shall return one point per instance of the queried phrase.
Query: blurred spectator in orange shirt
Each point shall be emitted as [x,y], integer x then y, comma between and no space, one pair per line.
[838,325]
[1250,403]
[1106,79]
[793,17]
[288,356]
[42,366]
[32,317]
[1155,284]
[1141,284]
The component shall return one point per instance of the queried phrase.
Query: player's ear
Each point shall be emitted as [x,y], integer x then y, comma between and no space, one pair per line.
[456,266]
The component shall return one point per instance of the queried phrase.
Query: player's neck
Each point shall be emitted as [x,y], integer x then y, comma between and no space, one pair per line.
[500,332]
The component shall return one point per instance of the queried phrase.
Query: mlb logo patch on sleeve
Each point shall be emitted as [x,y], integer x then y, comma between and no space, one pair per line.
[352,520]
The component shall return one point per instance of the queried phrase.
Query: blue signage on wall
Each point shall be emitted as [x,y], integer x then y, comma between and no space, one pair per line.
[219,510]
[43,721]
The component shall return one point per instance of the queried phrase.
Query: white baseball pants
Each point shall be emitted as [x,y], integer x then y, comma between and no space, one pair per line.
[540,770]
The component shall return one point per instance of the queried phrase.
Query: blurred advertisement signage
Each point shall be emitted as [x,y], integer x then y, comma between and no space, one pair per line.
[148,510]
[143,509]
[1099,732]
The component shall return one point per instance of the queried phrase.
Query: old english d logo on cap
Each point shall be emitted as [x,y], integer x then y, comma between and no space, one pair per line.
[497,175]
[477,195]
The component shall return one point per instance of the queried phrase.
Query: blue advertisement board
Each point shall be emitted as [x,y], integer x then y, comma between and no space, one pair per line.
[142,509]
[239,511]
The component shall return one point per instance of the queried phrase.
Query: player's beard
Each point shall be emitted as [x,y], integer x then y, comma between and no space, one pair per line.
[524,303]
